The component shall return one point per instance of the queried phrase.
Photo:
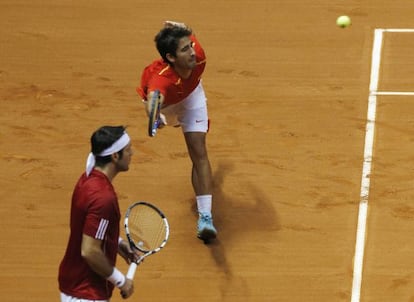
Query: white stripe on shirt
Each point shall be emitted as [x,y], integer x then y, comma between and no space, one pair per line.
[103,225]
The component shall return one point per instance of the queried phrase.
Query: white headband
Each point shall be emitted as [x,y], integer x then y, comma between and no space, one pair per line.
[115,147]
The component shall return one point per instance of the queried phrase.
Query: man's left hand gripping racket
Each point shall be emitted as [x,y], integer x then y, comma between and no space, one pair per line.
[147,230]
[154,114]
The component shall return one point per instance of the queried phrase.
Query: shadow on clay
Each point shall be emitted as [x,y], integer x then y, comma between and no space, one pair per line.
[234,219]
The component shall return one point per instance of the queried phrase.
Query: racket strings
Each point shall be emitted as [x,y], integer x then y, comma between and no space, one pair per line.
[147,228]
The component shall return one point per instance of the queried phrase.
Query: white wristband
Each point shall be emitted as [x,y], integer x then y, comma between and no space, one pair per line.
[117,278]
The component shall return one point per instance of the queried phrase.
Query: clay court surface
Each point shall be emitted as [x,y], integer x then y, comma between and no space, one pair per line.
[288,97]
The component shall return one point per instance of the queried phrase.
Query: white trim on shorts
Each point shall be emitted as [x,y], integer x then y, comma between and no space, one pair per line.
[191,113]
[67,298]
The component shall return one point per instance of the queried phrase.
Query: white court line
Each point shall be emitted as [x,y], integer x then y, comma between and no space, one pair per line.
[368,150]
[398,30]
[366,170]
[392,93]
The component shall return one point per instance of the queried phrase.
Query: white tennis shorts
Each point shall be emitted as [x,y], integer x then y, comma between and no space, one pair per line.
[66,298]
[191,113]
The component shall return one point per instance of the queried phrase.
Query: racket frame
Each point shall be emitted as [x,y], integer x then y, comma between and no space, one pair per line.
[154,114]
[133,245]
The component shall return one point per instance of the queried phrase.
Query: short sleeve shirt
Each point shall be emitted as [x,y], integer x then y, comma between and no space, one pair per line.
[160,75]
[94,212]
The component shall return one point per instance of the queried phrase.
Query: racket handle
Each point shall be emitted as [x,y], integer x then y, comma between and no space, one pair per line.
[131,270]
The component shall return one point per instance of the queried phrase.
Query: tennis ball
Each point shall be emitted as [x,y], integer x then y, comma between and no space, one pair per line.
[343,21]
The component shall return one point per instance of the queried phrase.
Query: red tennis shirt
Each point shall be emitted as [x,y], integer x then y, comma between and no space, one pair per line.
[160,75]
[94,212]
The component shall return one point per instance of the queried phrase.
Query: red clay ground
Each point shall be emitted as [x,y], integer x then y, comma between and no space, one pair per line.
[287,94]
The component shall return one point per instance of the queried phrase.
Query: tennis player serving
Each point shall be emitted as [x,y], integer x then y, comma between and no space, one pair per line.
[87,271]
[177,78]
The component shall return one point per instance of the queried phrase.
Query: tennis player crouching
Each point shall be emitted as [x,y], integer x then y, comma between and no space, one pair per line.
[87,271]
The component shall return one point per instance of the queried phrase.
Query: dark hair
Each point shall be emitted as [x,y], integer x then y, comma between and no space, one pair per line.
[102,139]
[167,40]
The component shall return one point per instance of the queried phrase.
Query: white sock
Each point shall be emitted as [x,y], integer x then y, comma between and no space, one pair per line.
[204,203]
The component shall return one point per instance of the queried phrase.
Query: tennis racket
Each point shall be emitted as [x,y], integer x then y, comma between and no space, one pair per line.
[155,111]
[147,230]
